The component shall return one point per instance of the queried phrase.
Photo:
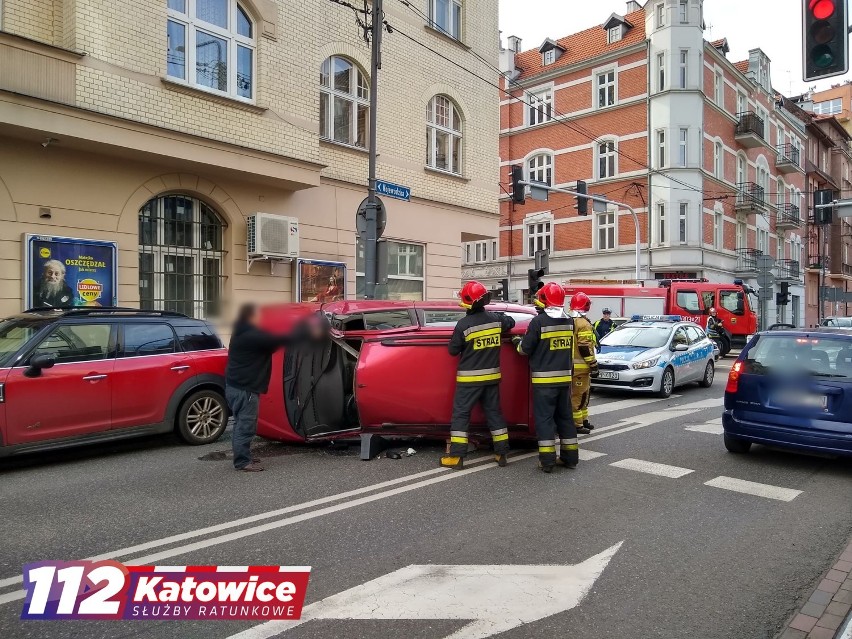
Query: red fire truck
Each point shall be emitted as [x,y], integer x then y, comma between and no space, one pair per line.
[691,299]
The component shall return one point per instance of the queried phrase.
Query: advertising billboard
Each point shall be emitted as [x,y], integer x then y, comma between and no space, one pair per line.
[320,282]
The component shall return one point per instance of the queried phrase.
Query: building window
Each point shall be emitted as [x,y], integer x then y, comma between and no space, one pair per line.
[683,150]
[443,135]
[684,11]
[613,34]
[719,90]
[742,235]
[480,252]
[538,237]
[661,149]
[344,102]
[180,256]
[718,230]
[606,89]
[719,160]
[661,16]
[779,193]
[684,68]
[540,169]
[829,107]
[661,72]
[661,223]
[606,159]
[406,280]
[210,44]
[447,17]
[682,221]
[606,230]
[742,103]
[763,241]
[540,107]
[742,171]
[549,56]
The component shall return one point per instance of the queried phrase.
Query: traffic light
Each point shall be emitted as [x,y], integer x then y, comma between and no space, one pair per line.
[582,202]
[534,283]
[825,39]
[518,189]
[823,212]
[782,298]
[501,292]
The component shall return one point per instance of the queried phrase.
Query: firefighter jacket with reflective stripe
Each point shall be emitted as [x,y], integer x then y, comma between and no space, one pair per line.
[584,346]
[477,338]
[549,343]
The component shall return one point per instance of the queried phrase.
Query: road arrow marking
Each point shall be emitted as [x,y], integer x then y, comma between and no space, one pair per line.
[494,599]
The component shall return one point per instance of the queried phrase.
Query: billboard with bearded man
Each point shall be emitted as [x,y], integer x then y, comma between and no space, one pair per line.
[62,272]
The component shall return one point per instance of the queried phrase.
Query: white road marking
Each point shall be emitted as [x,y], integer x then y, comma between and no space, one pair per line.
[637,402]
[846,633]
[712,427]
[588,455]
[753,488]
[652,468]
[494,599]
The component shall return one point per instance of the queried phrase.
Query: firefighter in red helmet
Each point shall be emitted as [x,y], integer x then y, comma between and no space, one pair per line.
[477,339]
[585,362]
[549,343]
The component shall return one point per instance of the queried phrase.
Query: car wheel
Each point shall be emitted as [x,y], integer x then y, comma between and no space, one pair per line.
[202,418]
[709,374]
[667,383]
[737,446]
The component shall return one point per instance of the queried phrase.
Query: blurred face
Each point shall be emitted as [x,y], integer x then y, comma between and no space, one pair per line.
[53,275]
[713,312]
[607,314]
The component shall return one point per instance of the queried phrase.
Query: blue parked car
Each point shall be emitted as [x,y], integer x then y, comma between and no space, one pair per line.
[792,389]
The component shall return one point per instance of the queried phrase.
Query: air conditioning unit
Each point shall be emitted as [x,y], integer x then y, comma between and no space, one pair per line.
[272,236]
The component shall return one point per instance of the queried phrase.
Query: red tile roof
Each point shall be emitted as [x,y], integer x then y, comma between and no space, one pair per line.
[717,43]
[581,46]
[742,67]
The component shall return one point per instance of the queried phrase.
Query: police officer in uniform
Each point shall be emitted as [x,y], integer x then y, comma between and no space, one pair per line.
[477,339]
[548,343]
[585,362]
[603,326]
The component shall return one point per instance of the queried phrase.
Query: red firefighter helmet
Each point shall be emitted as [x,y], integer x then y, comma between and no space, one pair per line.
[551,295]
[471,293]
[580,302]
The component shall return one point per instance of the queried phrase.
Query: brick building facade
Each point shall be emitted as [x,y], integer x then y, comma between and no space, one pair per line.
[647,112]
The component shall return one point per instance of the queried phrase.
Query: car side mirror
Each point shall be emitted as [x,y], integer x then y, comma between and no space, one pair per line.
[680,348]
[40,362]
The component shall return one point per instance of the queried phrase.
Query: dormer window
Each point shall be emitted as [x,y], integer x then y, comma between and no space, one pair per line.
[549,57]
[550,52]
[614,34]
[616,26]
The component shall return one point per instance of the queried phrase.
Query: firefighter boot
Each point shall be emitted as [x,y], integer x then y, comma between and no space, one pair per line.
[587,425]
[502,459]
[546,468]
[452,461]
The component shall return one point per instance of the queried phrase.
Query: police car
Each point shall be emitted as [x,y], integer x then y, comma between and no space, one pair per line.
[655,354]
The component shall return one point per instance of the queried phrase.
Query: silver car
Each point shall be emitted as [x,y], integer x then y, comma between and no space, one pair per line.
[655,354]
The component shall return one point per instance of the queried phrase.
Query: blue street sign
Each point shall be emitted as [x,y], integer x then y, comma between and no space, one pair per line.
[393,190]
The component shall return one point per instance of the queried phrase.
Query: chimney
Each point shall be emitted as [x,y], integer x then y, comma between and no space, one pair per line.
[507,55]
[515,44]
[632,6]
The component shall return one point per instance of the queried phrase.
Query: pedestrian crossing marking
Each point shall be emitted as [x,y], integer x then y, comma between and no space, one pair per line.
[753,488]
[600,408]
[586,455]
[652,468]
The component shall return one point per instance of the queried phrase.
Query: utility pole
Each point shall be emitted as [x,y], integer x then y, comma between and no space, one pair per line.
[371,270]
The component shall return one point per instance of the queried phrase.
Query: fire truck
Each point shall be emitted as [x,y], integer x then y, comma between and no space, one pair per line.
[691,299]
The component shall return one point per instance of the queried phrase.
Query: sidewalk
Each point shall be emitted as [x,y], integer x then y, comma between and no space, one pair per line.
[825,613]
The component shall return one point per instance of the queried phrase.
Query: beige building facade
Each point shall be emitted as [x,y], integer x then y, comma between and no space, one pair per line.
[163,125]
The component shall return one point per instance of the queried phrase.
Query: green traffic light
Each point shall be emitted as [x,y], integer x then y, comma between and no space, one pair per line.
[822,57]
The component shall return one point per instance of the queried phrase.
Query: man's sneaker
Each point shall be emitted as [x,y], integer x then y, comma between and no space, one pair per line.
[583,430]
[253,467]
[452,461]
[501,460]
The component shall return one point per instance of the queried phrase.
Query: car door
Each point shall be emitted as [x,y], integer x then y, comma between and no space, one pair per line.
[680,359]
[149,369]
[73,397]
[697,352]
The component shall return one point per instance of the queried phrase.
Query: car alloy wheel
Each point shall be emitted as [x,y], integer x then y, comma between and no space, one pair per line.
[202,417]
[709,374]
[667,383]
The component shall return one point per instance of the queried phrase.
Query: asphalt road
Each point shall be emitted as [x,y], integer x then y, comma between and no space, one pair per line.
[685,559]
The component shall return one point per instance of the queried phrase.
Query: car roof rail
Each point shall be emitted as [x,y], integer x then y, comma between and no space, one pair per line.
[106,310]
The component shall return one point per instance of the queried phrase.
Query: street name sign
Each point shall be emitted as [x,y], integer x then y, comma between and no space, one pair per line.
[393,190]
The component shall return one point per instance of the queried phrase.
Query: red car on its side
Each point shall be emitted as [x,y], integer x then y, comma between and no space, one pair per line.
[385,370]
[85,375]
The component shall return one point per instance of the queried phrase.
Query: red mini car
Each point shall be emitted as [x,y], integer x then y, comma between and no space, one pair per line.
[385,370]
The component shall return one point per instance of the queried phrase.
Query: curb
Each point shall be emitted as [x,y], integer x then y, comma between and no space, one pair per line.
[826,615]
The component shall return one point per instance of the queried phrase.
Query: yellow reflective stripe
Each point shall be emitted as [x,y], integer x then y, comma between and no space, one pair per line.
[551,380]
[484,333]
[570,447]
[547,449]
[578,365]
[458,440]
[557,334]
[477,378]
[501,438]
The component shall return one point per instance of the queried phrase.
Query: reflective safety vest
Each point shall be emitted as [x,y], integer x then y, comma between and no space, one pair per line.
[549,343]
[477,338]
[584,346]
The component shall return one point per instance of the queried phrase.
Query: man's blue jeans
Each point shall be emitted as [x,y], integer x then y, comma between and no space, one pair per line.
[243,405]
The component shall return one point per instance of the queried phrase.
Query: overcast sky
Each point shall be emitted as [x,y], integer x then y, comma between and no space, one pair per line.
[772,25]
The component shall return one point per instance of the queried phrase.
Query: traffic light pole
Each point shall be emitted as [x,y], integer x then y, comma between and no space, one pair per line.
[603,200]
[371,270]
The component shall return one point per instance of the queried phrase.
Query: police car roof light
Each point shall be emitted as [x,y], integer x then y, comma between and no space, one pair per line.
[656,318]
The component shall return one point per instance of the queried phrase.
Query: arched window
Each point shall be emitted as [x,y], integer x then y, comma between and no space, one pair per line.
[211,45]
[540,168]
[443,135]
[344,102]
[606,157]
[180,256]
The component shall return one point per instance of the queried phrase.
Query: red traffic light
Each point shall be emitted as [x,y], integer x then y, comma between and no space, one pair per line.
[822,9]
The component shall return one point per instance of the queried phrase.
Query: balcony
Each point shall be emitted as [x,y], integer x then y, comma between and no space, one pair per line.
[747,262]
[750,129]
[789,218]
[751,198]
[788,159]
[788,270]
[812,170]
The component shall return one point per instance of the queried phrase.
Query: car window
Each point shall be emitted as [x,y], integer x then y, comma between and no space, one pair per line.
[197,338]
[680,336]
[792,355]
[76,343]
[695,334]
[14,334]
[732,301]
[384,320]
[838,322]
[709,299]
[147,339]
[688,301]
[448,318]
[638,337]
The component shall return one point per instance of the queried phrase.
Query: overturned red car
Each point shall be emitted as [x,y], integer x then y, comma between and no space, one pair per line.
[384,370]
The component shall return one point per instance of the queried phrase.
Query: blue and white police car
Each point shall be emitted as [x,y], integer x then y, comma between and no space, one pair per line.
[655,354]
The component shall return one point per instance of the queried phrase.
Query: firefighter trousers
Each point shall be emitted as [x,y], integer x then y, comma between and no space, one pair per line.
[466,398]
[552,412]
[580,392]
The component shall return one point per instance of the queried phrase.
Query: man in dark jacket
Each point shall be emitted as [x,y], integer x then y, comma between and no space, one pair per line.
[247,377]
[477,339]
